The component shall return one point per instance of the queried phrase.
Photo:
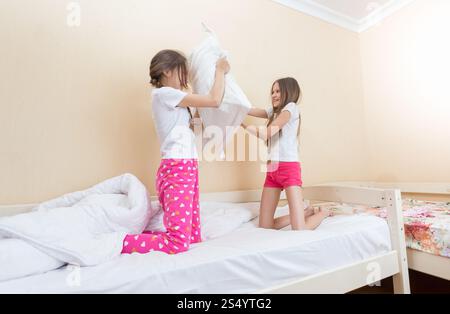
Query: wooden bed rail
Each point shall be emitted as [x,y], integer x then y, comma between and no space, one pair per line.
[388,198]
[351,195]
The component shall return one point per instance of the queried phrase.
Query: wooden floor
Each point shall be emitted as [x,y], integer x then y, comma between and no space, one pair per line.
[420,284]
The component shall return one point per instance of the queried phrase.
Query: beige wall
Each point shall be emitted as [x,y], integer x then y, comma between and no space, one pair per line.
[406,69]
[75,104]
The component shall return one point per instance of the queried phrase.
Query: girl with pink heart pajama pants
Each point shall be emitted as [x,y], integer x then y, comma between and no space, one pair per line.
[177,187]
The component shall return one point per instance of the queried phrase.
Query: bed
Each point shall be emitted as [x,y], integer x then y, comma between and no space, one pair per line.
[426,208]
[343,254]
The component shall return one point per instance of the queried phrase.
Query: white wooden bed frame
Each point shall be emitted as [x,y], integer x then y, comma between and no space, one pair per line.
[430,264]
[343,279]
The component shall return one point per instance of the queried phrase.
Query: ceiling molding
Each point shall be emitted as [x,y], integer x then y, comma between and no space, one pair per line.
[332,16]
[381,13]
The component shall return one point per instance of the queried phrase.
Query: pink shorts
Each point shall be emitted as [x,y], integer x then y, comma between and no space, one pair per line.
[283,174]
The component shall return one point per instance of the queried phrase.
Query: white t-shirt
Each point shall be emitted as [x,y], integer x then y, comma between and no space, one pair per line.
[176,139]
[284,146]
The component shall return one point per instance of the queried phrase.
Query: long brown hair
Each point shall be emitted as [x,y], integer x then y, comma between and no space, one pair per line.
[290,92]
[167,60]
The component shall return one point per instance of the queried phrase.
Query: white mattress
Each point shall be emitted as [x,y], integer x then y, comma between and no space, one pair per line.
[243,261]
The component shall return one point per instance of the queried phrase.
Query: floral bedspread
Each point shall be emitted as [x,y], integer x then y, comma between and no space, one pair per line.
[427,223]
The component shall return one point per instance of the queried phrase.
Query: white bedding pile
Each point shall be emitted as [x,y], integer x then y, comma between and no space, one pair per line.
[83,228]
[87,228]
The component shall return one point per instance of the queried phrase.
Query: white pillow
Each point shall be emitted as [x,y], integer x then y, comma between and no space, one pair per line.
[235,104]
[216,218]
[19,259]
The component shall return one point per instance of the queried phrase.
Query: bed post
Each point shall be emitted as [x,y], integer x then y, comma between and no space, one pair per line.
[397,230]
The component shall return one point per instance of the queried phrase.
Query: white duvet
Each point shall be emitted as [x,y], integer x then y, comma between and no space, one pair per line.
[87,228]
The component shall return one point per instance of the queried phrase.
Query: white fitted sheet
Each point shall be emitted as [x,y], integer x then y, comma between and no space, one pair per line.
[243,261]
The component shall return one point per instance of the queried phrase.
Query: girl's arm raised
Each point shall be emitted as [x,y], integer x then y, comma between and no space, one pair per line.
[258,113]
[214,99]
[272,129]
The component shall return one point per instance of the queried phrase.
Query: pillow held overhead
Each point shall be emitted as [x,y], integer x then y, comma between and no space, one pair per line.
[234,107]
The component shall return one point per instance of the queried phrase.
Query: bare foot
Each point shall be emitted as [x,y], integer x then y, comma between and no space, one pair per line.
[309,211]
[326,212]
[323,211]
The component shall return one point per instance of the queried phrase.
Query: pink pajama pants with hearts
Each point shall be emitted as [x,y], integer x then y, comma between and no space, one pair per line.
[177,187]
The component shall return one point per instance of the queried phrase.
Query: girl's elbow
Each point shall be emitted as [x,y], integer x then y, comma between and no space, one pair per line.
[215,103]
[272,131]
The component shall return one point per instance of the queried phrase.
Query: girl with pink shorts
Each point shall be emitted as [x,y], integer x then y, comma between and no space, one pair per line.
[283,166]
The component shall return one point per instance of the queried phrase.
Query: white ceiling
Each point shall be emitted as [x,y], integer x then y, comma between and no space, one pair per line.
[355,15]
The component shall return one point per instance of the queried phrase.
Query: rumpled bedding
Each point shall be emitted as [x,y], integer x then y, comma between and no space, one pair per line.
[87,228]
[84,228]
